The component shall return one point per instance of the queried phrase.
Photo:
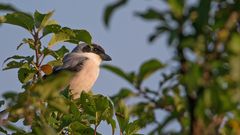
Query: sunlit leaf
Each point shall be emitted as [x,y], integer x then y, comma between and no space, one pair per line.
[53,28]
[20,19]
[24,75]
[63,35]
[87,103]
[176,7]
[57,54]
[42,20]
[81,36]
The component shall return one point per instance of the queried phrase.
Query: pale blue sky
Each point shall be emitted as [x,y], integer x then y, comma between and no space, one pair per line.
[125,41]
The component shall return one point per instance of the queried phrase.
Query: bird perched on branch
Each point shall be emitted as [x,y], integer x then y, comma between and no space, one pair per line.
[84,61]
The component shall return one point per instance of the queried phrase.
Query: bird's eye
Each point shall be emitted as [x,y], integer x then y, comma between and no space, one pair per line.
[95,49]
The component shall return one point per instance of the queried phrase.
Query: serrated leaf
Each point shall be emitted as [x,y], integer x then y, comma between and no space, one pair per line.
[20,19]
[24,75]
[109,10]
[147,69]
[130,77]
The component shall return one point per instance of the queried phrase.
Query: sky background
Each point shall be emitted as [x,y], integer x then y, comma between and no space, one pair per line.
[125,41]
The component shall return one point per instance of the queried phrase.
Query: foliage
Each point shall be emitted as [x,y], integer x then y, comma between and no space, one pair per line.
[202,92]
[41,106]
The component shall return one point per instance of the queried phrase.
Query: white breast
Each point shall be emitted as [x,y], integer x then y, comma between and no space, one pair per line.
[85,79]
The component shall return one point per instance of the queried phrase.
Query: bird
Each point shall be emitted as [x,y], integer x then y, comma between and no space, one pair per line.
[84,62]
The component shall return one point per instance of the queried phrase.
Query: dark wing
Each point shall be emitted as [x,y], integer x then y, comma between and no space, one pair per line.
[71,62]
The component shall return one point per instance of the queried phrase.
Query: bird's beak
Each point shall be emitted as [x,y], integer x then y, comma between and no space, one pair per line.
[106,57]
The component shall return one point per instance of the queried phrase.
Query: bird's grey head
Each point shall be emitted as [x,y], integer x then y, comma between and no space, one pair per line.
[94,48]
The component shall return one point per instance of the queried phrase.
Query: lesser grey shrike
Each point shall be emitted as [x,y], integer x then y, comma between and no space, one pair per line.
[84,61]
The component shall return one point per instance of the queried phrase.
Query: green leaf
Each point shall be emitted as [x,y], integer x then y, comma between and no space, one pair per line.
[159,30]
[7,7]
[147,69]
[234,61]
[58,54]
[24,75]
[52,84]
[63,35]
[53,28]
[81,35]
[122,94]
[20,19]
[3,131]
[110,9]
[151,14]
[203,14]
[78,128]
[58,103]
[16,57]
[61,52]
[130,77]
[42,20]
[122,115]
[87,103]
[177,7]
[28,41]
[55,63]
[14,64]
[10,95]
[133,127]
